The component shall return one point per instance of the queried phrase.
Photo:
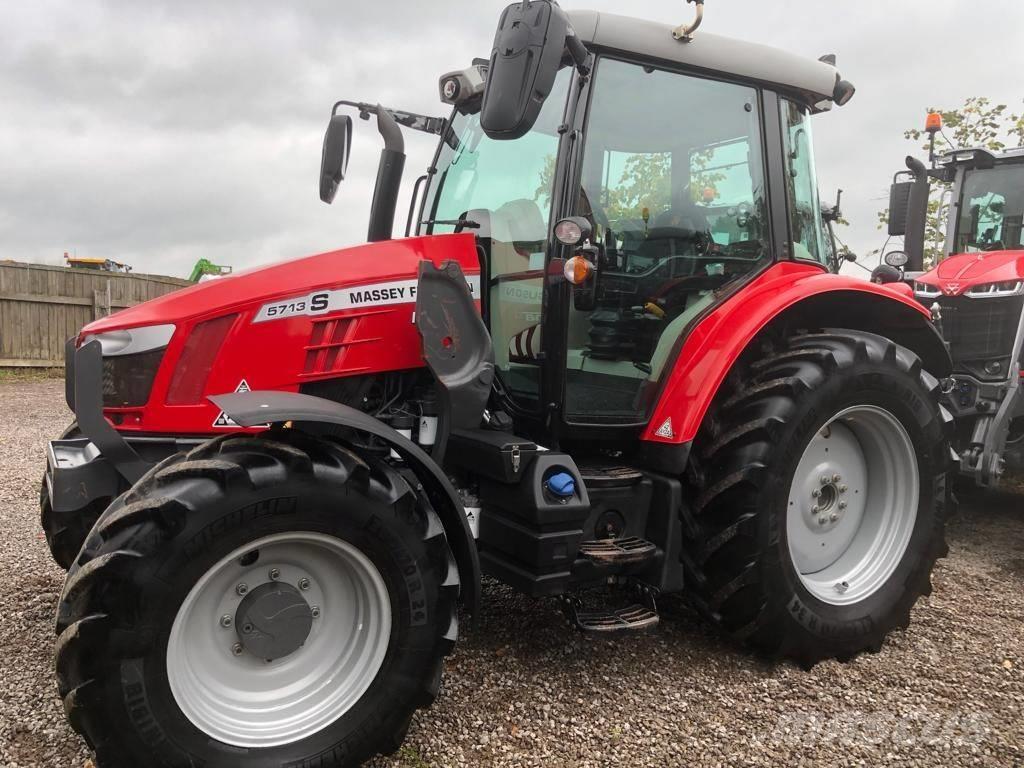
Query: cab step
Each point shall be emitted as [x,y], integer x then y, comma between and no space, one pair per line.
[632,618]
[610,553]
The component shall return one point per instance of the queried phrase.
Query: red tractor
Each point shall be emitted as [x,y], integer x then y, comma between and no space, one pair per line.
[976,294]
[610,364]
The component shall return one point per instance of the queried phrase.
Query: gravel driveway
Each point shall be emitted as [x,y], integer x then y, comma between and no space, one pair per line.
[523,689]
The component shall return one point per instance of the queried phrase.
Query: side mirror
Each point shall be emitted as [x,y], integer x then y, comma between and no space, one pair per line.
[334,163]
[527,54]
[897,259]
[899,207]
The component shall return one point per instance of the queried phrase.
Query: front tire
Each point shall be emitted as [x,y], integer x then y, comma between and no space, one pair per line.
[821,496]
[162,656]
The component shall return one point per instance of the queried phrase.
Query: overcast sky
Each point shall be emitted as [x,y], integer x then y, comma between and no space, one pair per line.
[156,133]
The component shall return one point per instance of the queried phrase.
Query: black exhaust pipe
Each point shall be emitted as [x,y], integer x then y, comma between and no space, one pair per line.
[389,178]
[917,216]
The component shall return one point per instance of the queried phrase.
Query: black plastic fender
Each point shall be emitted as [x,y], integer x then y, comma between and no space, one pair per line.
[252,409]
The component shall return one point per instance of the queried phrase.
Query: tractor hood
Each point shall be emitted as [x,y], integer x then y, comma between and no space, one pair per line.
[959,274]
[358,265]
[285,327]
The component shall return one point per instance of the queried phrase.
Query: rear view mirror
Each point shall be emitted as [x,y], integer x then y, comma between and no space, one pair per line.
[334,163]
[899,207]
[527,54]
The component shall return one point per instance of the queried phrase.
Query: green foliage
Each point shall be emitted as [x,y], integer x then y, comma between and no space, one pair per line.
[976,123]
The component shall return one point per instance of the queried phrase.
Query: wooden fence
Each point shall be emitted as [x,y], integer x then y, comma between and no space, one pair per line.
[42,306]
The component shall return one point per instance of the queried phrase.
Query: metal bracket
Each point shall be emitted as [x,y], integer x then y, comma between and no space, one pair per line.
[685,32]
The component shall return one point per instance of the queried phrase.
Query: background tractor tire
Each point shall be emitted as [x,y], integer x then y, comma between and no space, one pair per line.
[751,554]
[66,531]
[132,666]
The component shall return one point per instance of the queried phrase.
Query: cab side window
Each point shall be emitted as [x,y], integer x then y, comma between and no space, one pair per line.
[806,224]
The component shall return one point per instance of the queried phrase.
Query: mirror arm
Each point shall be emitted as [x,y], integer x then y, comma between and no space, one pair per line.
[435,126]
[580,55]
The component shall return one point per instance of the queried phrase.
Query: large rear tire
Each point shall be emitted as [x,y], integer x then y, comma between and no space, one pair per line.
[821,496]
[66,531]
[164,657]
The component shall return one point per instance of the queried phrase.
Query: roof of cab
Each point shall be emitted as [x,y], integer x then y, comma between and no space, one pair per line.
[815,80]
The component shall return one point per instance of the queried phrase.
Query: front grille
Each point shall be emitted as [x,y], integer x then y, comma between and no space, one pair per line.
[980,329]
[128,379]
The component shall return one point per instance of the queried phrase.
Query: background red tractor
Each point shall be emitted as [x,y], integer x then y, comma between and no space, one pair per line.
[976,294]
[611,356]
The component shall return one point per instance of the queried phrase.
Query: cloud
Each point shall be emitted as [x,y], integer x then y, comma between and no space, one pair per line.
[157,133]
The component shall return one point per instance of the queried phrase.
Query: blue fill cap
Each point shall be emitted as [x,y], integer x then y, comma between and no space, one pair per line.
[562,484]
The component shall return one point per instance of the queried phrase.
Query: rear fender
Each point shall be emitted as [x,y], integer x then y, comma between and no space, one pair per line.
[788,295]
[252,409]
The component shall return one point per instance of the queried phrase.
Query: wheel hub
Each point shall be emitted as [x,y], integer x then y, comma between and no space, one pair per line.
[273,621]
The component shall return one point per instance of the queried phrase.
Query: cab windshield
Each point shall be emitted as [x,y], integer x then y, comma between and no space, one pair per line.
[503,191]
[991,210]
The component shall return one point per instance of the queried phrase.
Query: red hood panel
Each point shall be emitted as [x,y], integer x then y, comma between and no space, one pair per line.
[362,264]
[318,319]
[964,271]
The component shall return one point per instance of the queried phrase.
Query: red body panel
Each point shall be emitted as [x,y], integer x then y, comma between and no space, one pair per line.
[282,354]
[713,347]
[958,274]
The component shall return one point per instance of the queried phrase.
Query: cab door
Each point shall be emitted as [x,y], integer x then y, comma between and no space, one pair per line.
[673,181]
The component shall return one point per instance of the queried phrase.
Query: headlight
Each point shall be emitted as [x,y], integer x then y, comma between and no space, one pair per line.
[923,289]
[132,341]
[991,290]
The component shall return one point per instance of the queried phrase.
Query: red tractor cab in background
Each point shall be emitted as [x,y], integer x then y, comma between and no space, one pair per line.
[608,363]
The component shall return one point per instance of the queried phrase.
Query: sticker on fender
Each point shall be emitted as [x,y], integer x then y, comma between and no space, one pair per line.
[356,297]
[223,421]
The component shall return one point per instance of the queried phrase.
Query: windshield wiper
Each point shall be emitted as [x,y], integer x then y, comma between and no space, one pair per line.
[464,223]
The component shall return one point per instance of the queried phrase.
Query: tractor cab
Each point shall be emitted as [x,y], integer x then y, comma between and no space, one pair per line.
[610,218]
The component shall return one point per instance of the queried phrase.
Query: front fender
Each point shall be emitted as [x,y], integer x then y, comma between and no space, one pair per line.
[251,409]
[803,293]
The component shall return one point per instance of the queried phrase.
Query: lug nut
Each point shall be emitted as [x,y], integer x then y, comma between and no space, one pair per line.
[237,649]
[225,621]
[836,478]
[815,509]
[315,611]
[303,583]
[842,505]
[823,520]
[842,489]
[241,589]
[275,574]
[824,479]
[833,517]
[815,493]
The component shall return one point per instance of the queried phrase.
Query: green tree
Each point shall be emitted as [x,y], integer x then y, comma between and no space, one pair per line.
[976,123]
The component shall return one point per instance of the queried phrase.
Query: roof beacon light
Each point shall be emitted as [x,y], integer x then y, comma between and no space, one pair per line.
[933,123]
[685,32]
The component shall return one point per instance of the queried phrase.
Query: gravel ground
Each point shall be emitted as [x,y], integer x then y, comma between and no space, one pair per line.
[523,689]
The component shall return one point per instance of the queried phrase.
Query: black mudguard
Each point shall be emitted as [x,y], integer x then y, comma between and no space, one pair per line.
[252,409]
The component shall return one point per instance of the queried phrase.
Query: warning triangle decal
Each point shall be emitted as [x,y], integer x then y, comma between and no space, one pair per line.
[223,421]
[665,430]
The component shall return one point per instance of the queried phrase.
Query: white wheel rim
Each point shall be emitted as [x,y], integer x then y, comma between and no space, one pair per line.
[853,505]
[248,702]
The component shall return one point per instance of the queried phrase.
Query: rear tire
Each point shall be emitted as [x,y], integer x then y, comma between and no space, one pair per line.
[66,531]
[751,540]
[142,680]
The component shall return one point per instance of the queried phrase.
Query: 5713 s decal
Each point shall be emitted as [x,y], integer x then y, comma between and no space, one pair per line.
[356,297]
